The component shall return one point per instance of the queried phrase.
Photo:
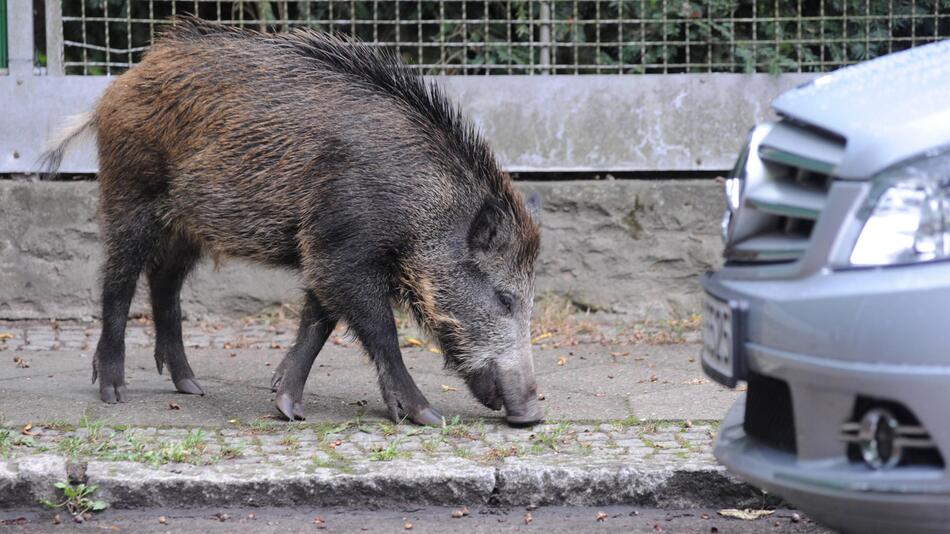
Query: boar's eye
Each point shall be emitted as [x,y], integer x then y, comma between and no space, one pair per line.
[507,301]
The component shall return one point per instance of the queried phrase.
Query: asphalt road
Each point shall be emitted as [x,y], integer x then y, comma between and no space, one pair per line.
[431,519]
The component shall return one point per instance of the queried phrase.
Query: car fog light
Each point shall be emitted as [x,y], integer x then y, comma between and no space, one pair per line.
[878,437]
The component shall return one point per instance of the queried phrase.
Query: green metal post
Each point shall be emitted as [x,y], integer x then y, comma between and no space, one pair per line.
[3,34]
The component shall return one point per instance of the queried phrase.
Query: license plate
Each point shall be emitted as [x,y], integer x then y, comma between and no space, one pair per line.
[721,353]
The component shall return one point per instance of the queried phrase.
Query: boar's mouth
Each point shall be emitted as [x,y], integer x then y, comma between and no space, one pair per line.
[516,393]
[484,385]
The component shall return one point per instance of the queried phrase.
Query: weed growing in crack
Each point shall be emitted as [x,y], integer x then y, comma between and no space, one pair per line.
[388,453]
[77,499]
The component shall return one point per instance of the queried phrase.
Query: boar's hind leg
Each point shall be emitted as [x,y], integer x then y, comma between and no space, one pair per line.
[291,375]
[165,278]
[128,247]
[375,326]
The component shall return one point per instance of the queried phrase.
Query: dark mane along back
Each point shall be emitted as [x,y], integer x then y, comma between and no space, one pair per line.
[376,69]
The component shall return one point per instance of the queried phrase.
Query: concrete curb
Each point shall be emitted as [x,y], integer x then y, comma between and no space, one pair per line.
[451,481]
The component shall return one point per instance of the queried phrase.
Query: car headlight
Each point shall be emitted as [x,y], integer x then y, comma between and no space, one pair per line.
[907,214]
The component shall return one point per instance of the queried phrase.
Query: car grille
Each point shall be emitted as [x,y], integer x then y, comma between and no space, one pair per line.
[919,447]
[786,175]
[768,412]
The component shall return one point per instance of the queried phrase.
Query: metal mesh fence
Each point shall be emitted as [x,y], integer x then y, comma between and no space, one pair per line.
[537,36]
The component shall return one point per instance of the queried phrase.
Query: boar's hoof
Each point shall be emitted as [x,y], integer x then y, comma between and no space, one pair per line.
[427,416]
[189,386]
[289,408]
[112,393]
[529,418]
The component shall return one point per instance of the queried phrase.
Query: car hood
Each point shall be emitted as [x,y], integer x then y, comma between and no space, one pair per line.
[886,110]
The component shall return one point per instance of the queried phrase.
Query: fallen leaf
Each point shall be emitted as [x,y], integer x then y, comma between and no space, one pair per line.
[434,350]
[601,516]
[26,430]
[57,520]
[747,514]
[528,518]
[562,360]
[413,342]
[448,388]
[540,338]
[5,336]
[21,362]
[619,354]
[653,378]
[172,405]
[319,522]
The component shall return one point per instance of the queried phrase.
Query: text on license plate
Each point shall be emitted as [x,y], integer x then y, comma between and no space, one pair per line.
[717,336]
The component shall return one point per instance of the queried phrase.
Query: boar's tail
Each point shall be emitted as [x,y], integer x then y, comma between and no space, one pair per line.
[75,127]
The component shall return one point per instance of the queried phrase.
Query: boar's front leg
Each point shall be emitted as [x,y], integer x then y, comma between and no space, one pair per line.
[375,326]
[289,379]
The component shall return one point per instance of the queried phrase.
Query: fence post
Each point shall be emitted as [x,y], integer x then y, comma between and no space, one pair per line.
[54,38]
[545,37]
[20,38]
[3,35]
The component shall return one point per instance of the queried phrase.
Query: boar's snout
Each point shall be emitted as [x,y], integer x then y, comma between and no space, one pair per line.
[511,389]
[520,393]
[527,411]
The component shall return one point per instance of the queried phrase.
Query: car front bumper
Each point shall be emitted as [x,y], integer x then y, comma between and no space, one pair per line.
[832,338]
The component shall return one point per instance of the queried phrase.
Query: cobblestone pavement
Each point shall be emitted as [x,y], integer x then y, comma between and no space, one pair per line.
[83,336]
[354,445]
[264,333]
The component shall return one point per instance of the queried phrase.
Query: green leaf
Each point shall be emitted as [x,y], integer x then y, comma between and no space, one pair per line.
[99,505]
[61,485]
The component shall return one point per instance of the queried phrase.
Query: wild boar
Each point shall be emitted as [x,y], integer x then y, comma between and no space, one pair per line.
[329,157]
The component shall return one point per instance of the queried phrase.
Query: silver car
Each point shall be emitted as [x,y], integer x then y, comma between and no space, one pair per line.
[833,305]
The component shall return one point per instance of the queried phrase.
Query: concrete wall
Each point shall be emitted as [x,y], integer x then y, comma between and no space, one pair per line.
[681,122]
[632,246]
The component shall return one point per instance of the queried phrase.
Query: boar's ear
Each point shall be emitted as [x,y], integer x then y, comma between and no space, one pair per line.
[534,207]
[485,232]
